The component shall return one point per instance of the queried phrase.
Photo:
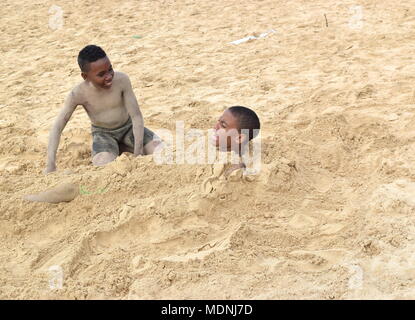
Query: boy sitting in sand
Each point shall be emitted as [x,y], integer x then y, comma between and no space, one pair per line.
[109,101]
[234,129]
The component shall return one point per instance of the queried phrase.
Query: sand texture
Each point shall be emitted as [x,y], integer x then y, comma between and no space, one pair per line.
[331,214]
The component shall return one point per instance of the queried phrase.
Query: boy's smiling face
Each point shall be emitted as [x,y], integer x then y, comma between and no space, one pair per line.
[100,73]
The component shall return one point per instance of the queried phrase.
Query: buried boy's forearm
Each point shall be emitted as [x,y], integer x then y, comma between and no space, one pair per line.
[53,144]
[55,133]
[136,117]
[138,131]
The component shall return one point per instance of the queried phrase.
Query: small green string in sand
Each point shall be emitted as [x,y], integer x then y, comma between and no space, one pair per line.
[84,191]
[137,37]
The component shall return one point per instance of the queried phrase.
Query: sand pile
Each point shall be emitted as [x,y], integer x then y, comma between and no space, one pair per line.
[331,214]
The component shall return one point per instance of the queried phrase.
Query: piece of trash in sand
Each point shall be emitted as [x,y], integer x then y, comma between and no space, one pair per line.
[62,193]
[262,35]
[83,191]
[137,37]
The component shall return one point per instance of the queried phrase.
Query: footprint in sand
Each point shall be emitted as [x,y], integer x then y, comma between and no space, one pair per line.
[317,260]
[62,193]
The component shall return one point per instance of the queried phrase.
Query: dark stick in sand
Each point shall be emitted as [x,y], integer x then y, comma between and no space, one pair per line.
[327,24]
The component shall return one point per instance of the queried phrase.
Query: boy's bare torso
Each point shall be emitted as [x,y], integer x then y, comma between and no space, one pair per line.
[105,107]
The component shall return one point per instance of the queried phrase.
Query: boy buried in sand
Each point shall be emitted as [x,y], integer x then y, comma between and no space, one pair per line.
[234,129]
[109,101]
[232,132]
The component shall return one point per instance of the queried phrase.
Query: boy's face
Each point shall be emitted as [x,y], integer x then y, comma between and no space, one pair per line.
[226,136]
[100,73]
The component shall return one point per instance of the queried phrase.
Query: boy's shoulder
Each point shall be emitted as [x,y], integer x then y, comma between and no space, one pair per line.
[121,80]
[121,77]
[81,88]
[77,92]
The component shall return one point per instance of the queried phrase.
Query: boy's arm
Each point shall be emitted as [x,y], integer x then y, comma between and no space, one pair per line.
[133,109]
[55,134]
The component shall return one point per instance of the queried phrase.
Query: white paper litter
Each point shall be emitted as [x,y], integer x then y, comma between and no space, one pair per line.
[262,35]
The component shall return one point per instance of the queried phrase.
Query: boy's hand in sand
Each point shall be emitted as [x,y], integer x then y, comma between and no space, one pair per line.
[50,168]
[139,152]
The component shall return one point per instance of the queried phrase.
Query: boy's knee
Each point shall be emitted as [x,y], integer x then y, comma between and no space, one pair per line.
[102,158]
[150,147]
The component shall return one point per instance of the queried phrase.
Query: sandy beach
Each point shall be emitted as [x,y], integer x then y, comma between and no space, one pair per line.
[331,214]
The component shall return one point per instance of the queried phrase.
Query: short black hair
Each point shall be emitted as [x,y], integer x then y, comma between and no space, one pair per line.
[247,120]
[89,54]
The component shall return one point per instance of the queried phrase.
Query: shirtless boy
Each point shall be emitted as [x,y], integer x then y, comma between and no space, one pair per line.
[109,100]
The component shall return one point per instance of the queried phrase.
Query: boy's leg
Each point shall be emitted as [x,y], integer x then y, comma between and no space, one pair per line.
[104,148]
[150,141]
[148,148]
[102,158]
[151,146]
[125,148]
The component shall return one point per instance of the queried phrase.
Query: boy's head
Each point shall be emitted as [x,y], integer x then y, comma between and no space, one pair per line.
[235,127]
[95,66]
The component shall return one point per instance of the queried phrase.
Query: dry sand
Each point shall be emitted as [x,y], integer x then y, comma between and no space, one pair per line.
[331,214]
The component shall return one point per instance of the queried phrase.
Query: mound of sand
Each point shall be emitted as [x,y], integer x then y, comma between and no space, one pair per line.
[61,193]
[331,214]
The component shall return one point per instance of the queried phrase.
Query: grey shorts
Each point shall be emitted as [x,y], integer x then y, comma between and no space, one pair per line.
[109,140]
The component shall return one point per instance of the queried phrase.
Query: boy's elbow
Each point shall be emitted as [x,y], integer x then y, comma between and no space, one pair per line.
[136,116]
